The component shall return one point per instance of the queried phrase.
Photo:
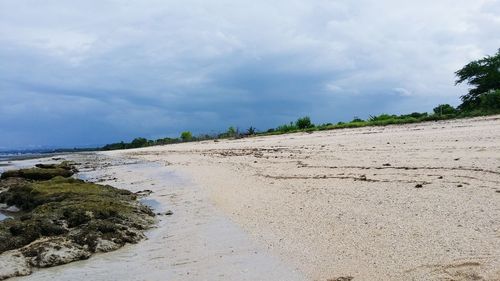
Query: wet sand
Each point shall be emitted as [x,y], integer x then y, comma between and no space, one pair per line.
[196,242]
[413,202]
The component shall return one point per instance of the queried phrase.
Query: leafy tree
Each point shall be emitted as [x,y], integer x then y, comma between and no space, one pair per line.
[444,109]
[139,142]
[186,136]
[483,75]
[304,123]
[490,101]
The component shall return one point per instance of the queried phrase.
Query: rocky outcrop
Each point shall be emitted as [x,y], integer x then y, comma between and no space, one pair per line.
[61,220]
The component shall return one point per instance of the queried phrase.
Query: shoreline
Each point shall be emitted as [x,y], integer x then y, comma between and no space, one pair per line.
[376,203]
[195,242]
[407,202]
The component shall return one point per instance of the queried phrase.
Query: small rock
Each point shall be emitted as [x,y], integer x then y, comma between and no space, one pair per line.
[363,177]
[459,185]
[343,278]
[169,213]
[440,177]
[386,165]
[419,185]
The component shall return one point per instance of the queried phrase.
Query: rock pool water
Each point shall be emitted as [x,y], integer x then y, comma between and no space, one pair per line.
[2,217]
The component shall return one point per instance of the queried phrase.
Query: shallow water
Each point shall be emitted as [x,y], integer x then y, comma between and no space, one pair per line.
[155,205]
[3,217]
[196,243]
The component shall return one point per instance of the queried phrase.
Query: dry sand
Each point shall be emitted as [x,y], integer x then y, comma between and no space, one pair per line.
[346,202]
[413,202]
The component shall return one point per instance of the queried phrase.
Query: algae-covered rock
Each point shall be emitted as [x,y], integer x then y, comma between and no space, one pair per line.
[66,219]
[42,171]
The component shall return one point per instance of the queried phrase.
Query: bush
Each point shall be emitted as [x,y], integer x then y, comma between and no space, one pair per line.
[490,100]
[186,136]
[231,132]
[445,109]
[381,117]
[251,131]
[139,142]
[287,128]
[304,123]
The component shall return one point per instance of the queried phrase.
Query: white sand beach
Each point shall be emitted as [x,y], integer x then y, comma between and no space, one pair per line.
[411,202]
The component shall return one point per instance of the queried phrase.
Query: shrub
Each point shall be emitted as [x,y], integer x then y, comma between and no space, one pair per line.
[139,142]
[490,100]
[186,136]
[445,109]
[287,128]
[231,132]
[304,123]
[251,131]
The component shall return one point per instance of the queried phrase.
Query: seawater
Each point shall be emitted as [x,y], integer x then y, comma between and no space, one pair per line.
[2,217]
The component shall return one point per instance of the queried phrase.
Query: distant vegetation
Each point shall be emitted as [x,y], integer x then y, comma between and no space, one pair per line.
[482,99]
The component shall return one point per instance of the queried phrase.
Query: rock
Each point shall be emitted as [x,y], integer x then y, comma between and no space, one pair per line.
[54,251]
[106,246]
[13,263]
[386,165]
[37,173]
[343,278]
[64,220]
[419,185]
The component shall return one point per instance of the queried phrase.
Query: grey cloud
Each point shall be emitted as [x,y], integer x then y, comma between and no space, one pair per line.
[111,70]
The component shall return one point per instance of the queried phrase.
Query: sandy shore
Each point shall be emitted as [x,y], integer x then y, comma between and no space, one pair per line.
[347,203]
[413,202]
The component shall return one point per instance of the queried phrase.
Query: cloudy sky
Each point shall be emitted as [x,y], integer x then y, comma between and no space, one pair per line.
[90,72]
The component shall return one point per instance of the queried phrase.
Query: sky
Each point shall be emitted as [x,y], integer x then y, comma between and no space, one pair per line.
[83,73]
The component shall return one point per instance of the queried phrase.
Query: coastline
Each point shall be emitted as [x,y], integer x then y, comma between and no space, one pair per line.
[409,202]
[196,242]
[406,202]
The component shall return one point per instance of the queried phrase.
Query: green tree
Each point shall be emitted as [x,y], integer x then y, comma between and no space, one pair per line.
[490,101]
[139,142]
[304,123]
[483,75]
[444,109]
[186,136]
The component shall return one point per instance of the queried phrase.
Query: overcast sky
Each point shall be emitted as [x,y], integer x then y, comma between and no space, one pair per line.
[90,72]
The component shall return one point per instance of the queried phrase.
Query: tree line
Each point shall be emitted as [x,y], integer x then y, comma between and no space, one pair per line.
[483,98]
